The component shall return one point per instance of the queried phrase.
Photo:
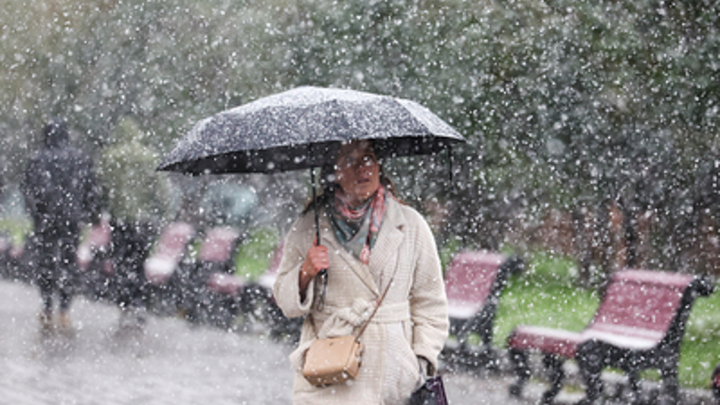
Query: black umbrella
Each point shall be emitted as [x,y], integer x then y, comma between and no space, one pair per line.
[303,128]
[300,128]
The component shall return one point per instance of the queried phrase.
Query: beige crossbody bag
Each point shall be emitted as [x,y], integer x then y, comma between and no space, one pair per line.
[338,359]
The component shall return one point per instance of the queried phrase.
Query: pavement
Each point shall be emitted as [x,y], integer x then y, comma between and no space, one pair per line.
[171,361]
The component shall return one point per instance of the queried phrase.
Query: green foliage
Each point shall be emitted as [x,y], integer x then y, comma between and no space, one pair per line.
[133,188]
[165,63]
[544,267]
[561,101]
[255,255]
[16,228]
[700,351]
[549,304]
[544,295]
[447,251]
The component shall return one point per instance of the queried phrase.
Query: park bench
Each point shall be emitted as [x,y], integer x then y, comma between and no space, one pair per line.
[170,250]
[95,245]
[219,294]
[93,260]
[217,251]
[473,283]
[170,253]
[639,325]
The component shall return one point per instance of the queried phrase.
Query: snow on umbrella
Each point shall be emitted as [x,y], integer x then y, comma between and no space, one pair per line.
[302,128]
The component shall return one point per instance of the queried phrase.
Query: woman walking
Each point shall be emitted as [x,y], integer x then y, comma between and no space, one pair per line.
[370,242]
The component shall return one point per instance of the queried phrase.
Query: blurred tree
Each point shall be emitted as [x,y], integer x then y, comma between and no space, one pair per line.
[134,190]
[166,63]
[566,104]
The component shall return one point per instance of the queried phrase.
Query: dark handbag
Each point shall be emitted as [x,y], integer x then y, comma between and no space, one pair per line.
[431,393]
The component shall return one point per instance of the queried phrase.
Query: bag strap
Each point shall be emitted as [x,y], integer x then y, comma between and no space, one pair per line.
[377,306]
[382,297]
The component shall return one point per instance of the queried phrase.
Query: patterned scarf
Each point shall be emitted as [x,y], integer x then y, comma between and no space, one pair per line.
[357,228]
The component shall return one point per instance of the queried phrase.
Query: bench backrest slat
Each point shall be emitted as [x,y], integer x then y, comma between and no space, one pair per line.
[174,240]
[470,276]
[98,238]
[219,245]
[169,251]
[100,234]
[641,300]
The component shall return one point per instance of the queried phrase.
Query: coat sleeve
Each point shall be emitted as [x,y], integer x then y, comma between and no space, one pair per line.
[286,289]
[428,302]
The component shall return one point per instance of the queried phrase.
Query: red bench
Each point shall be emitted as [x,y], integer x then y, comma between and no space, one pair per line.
[473,283]
[207,289]
[639,325]
[94,261]
[217,257]
[169,251]
[219,245]
[97,243]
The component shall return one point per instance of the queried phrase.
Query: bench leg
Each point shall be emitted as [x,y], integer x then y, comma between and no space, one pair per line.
[492,360]
[554,366]
[591,365]
[521,366]
[670,384]
[482,359]
[634,383]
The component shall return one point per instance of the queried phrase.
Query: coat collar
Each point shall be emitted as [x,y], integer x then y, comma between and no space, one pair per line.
[384,254]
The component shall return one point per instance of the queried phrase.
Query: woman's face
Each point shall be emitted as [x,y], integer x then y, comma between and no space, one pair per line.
[357,171]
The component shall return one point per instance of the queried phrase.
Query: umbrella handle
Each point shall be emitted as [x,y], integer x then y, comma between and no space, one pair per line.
[322,273]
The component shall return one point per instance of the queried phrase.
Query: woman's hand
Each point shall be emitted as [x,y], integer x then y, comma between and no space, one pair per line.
[317,259]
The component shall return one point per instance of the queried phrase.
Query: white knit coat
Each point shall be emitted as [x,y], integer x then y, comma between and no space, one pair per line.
[412,320]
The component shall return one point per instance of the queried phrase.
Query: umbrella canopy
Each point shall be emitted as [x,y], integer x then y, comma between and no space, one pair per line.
[301,128]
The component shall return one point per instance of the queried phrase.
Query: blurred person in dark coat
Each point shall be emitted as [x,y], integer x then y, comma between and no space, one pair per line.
[60,194]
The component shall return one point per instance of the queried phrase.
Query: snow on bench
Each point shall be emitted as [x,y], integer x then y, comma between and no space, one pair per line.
[639,325]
